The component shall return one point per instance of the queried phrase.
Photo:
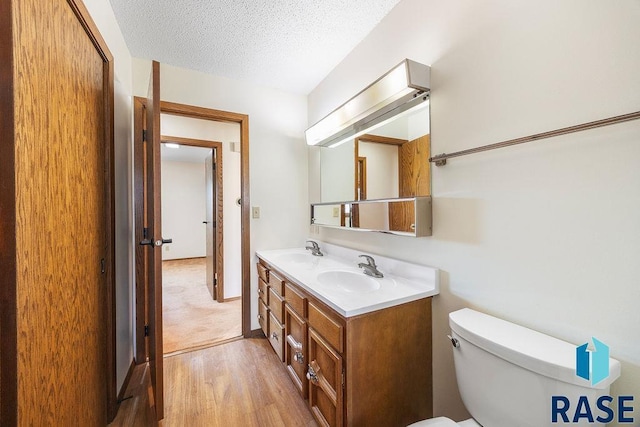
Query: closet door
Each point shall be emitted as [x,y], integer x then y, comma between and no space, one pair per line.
[56,216]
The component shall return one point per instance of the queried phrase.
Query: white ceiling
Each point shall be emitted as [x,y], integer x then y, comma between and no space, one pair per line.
[286,44]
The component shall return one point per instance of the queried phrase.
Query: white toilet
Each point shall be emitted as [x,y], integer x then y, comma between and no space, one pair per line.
[507,373]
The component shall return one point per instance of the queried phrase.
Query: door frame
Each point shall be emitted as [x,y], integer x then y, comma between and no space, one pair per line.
[245,208]
[217,204]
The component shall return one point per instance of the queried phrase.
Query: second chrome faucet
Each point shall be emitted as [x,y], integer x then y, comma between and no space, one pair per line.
[370,268]
[314,248]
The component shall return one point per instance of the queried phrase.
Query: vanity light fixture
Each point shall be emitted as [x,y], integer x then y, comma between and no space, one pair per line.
[401,89]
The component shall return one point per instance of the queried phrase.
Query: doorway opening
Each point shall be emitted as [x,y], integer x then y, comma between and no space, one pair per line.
[200,214]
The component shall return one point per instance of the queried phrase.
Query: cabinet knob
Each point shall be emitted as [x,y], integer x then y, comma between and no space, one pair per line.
[274,336]
[259,316]
[298,357]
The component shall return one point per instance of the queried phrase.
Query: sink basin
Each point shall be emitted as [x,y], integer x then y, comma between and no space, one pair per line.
[348,281]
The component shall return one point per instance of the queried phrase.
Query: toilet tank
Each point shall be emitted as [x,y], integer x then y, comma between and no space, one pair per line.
[507,373]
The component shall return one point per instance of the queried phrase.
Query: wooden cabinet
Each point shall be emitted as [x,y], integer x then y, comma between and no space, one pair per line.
[370,369]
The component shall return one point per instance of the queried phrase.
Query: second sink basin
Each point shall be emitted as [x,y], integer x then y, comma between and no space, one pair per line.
[348,281]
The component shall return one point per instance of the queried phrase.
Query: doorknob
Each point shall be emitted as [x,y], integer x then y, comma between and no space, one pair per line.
[150,242]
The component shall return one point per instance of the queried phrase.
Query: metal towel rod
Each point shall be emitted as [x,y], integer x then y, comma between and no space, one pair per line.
[441,159]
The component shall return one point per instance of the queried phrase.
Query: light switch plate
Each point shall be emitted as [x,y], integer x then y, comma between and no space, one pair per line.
[255,212]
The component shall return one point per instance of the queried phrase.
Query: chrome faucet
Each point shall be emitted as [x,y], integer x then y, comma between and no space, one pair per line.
[370,268]
[314,248]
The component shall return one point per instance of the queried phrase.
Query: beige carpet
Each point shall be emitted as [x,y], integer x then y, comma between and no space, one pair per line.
[191,319]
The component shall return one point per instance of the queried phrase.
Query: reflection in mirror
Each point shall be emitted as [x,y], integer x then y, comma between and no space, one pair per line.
[389,161]
[403,216]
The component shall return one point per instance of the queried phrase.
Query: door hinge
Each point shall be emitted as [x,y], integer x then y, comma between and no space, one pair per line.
[146,330]
[215,279]
[343,379]
[144,134]
[145,233]
[103,266]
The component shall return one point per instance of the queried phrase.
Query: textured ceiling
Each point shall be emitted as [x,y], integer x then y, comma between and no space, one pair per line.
[286,44]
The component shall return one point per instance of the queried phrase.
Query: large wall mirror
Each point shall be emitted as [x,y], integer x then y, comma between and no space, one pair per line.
[391,161]
[374,157]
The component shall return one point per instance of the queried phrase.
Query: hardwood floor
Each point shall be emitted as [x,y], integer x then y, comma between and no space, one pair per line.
[241,383]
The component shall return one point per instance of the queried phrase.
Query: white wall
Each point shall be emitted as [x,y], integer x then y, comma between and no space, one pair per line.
[543,234]
[382,169]
[227,134]
[184,196]
[104,18]
[278,156]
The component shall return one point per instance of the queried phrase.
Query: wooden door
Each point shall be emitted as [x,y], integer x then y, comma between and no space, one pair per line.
[414,172]
[155,240]
[56,215]
[210,224]
[324,372]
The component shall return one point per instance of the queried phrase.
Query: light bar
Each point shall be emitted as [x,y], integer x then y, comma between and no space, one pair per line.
[402,88]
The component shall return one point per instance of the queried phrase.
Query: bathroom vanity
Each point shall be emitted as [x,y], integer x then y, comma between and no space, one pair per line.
[356,347]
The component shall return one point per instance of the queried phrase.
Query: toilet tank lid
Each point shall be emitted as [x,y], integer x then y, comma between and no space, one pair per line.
[525,347]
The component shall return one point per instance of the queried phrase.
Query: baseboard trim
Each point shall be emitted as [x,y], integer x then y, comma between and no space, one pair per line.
[231,299]
[255,333]
[125,384]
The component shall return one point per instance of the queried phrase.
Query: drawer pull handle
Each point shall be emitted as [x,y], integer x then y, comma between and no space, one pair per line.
[297,348]
[312,375]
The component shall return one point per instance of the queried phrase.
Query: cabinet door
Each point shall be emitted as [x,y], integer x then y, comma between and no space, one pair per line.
[295,349]
[324,372]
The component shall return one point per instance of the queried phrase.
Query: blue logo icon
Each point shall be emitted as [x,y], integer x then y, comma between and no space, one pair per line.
[593,365]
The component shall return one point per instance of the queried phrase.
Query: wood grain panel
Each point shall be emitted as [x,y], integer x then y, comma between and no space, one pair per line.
[402,337]
[414,168]
[62,221]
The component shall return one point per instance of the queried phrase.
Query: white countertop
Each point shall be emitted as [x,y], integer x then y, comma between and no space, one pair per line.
[402,282]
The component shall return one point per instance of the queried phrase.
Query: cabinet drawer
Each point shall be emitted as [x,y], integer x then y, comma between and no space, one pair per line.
[263,317]
[276,305]
[326,326]
[295,299]
[276,336]
[276,282]
[263,272]
[262,290]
